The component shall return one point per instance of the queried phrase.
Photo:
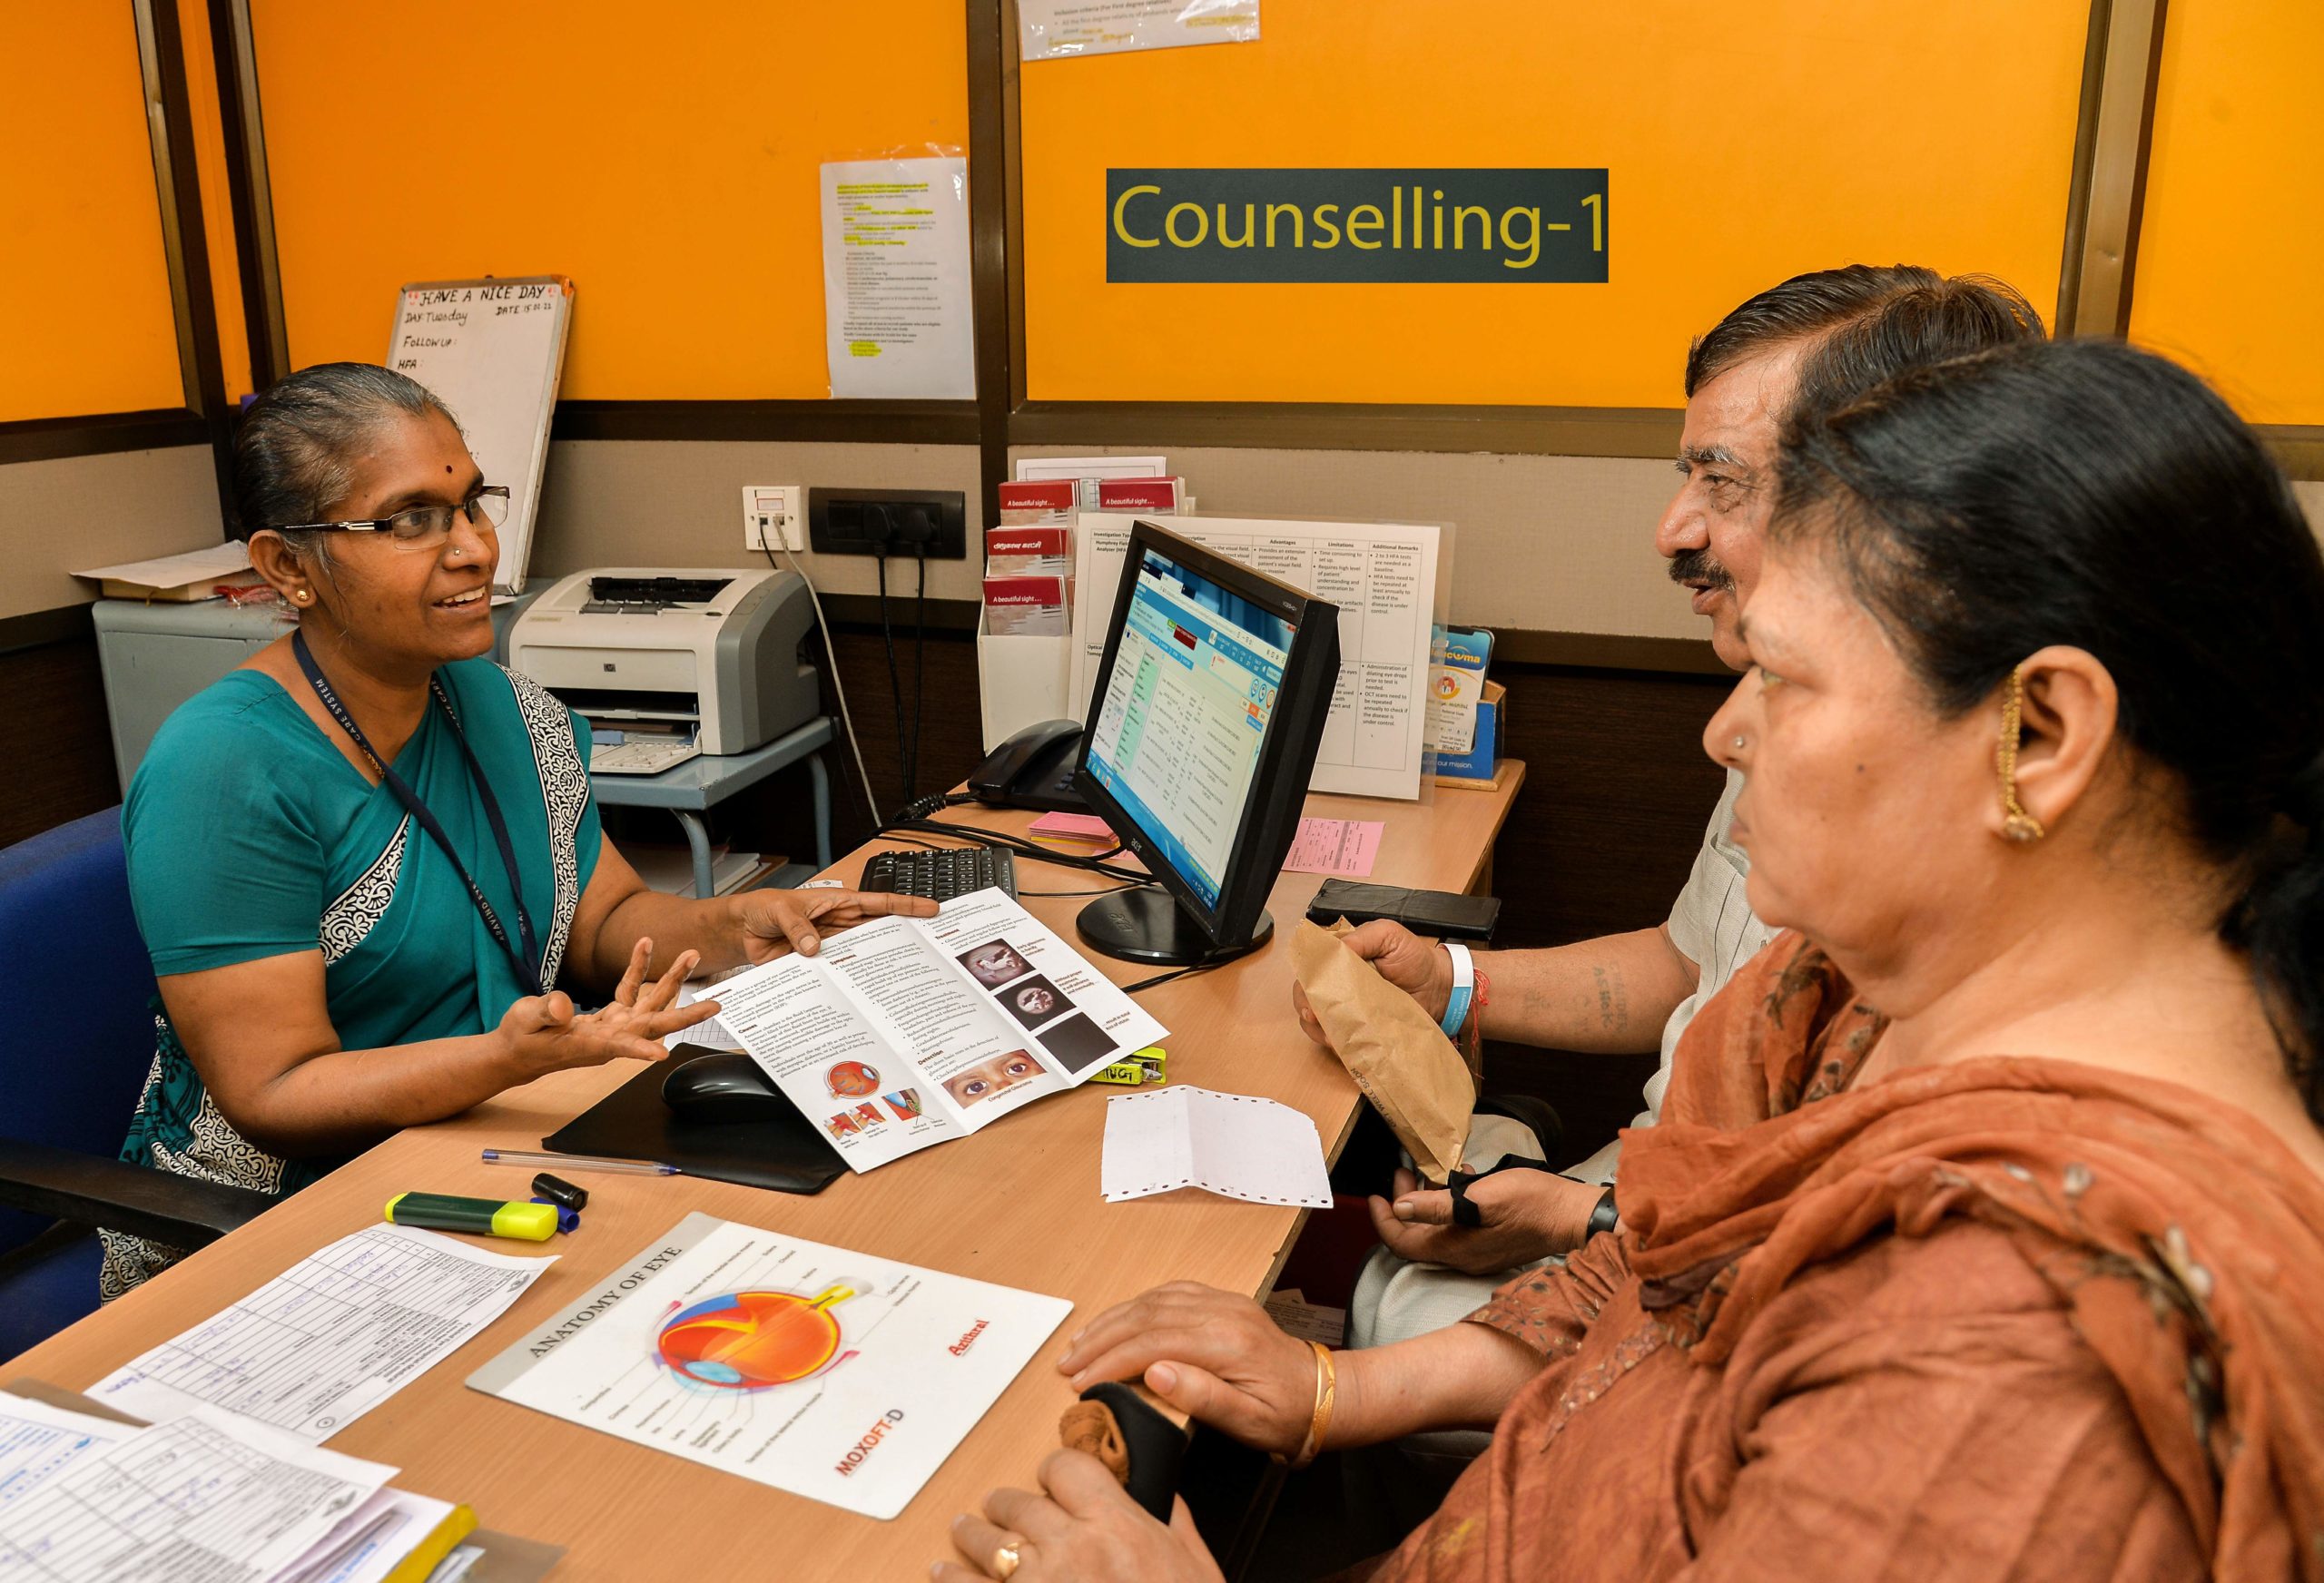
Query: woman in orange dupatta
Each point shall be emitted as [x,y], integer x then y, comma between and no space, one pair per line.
[1982,1236]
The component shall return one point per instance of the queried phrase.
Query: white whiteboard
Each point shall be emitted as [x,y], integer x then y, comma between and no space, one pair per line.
[493,349]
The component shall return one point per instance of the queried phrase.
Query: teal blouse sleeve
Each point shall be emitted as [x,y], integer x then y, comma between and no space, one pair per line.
[226,858]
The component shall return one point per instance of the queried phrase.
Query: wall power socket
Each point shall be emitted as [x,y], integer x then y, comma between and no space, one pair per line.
[774,515]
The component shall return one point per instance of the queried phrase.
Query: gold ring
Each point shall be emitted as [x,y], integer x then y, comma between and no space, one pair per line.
[1006,1560]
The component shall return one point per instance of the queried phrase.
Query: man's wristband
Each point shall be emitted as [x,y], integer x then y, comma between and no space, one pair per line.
[1603,1215]
[1464,989]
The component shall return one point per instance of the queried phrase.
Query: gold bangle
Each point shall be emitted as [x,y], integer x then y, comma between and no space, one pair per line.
[1326,1395]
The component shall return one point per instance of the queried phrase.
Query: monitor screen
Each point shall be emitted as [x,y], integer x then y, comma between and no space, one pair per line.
[1177,739]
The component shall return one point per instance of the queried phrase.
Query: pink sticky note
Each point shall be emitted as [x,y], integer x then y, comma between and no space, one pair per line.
[1334,846]
[1073,827]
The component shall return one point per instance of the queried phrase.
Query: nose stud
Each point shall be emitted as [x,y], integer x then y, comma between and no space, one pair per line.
[1738,744]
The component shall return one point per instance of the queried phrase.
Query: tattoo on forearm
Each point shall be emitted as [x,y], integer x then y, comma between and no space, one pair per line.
[1613,1000]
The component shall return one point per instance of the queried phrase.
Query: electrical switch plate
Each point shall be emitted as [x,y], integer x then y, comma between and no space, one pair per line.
[775,515]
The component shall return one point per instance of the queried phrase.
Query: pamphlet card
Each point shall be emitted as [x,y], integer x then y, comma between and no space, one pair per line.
[832,1374]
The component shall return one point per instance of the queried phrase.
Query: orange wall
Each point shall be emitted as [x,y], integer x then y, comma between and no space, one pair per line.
[664,158]
[81,268]
[1747,139]
[2231,267]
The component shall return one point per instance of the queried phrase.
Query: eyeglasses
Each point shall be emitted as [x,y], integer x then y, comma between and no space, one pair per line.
[421,527]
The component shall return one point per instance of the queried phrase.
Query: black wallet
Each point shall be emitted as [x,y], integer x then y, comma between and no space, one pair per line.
[1439,914]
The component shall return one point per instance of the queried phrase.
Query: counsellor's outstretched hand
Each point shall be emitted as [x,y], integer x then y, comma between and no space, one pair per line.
[543,1034]
[1085,1529]
[1528,1215]
[1210,1354]
[1417,967]
[775,921]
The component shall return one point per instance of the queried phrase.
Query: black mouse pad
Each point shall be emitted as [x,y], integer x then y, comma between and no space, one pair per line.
[782,1150]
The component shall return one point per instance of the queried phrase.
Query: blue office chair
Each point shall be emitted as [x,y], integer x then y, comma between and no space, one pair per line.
[74,1048]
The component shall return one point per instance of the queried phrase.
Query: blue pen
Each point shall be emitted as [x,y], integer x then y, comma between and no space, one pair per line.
[579,1163]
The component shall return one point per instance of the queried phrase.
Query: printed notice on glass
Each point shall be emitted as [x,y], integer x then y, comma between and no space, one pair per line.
[896,315]
[1049,29]
[1392,584]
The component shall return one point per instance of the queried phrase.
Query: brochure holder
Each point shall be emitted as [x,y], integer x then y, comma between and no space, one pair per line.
[1021,682]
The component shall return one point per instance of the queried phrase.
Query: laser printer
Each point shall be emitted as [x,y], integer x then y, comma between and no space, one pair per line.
[713,654]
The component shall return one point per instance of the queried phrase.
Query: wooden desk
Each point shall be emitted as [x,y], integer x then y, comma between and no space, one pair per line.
[1017,1204]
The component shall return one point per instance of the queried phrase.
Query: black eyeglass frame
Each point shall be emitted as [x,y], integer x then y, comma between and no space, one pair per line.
[466,508]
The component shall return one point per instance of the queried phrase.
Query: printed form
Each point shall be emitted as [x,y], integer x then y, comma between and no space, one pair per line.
[37,1441]
[208,1497]
[1388,584]
[331,1338]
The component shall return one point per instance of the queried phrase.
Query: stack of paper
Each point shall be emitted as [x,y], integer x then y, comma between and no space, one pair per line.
[179,579]
[207,1495]
[670,869]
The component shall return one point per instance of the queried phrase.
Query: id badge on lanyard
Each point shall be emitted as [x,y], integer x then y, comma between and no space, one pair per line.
[527,961]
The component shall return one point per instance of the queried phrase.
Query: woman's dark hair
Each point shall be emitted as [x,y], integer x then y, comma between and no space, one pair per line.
[2086,493]
[1915,316]
[293,450]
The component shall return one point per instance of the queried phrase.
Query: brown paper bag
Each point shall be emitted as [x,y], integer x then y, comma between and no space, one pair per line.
[1401,1059]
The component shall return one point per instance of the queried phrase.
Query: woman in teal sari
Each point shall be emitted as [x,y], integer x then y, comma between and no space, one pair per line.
[365,861]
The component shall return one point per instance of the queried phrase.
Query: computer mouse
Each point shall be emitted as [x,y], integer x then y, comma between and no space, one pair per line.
[726,1086]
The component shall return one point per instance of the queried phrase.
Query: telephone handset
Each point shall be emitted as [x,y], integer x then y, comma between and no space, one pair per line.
[1033,769]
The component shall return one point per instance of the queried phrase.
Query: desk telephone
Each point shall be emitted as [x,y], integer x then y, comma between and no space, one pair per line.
[1033,769]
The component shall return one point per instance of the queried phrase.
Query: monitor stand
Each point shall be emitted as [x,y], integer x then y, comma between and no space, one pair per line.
[1145,924]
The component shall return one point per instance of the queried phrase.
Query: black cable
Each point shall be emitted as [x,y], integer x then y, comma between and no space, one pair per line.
[895,681]
[1016,844]
[1109,891]
[1177,973]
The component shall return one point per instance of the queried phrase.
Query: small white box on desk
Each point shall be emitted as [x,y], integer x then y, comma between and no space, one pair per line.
[1021,682]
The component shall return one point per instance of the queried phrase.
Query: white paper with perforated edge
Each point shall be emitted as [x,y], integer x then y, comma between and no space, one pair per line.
[1235,1145]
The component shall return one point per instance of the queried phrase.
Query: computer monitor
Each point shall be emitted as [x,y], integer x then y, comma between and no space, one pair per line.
[1208,708]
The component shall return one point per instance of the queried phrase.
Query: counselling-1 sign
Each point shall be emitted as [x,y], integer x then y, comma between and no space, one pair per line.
[1368,225]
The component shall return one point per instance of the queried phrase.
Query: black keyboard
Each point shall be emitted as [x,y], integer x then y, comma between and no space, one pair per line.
[942,874]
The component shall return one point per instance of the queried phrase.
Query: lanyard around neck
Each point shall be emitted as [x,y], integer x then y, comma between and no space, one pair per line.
[526,962]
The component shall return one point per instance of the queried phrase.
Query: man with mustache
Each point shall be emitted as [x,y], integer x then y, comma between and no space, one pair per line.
[1812,341]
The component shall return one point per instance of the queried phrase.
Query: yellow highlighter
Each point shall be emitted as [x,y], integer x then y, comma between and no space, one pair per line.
[531,1223]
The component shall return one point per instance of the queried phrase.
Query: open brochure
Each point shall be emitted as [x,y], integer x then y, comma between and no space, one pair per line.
[908,1032]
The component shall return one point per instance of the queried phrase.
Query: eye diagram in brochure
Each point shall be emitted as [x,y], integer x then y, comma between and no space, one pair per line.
[833,1374]
[851,1080]
[749,1341]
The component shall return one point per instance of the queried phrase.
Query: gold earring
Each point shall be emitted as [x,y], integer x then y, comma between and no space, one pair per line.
[303,595]
[2016,824]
